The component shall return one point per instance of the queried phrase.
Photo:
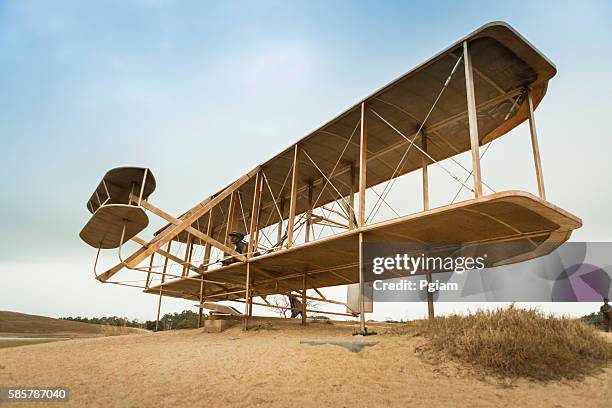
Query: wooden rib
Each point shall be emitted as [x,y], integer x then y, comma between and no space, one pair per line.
[483,76]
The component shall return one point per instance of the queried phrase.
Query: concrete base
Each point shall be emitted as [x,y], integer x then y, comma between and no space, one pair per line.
[218,325]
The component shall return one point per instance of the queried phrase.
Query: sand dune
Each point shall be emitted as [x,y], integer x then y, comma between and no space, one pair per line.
[269,367]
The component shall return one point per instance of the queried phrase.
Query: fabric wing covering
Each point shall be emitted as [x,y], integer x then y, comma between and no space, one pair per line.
[504,65]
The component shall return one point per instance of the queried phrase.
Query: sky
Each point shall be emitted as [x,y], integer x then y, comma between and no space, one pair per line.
[179,86]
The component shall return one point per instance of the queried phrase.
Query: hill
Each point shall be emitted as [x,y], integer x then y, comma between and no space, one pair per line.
[26,325]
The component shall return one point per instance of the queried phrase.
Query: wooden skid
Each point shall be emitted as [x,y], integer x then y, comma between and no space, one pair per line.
[219,308]
[505,216]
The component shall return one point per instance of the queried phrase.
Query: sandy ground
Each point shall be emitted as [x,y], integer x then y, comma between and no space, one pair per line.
[269,367]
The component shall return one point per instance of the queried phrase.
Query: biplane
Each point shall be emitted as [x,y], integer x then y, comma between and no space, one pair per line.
[305,212]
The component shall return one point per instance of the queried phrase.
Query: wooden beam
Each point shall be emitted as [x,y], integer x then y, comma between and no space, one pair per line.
[161,293]
[247,296]
[425,162]
[149,274]
[310,203]
[535,147]
[166,254]
[163,278]
[161,290]
[199,317]
[197,233]
[294,191]
[203,207]
[273,278]
[303,313]
[352,220]
[254,215]
[207,246]
[188,248]
[178,260]
[205,261]
[323,298]
[257,229]
[362,325]
[281,207]
[363,165]
[201,300]
[331,210]
[232,218]
[430,295]
[344,278]
[319,219]
[472,119]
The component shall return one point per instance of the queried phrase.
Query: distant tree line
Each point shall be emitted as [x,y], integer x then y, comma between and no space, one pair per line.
[186,319]
[595,319]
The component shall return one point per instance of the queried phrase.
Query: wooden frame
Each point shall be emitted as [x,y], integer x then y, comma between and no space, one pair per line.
[345,177]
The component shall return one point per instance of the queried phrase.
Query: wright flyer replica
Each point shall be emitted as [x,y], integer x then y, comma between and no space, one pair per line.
[299,218]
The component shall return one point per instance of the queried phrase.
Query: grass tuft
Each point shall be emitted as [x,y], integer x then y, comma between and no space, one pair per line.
[516,343]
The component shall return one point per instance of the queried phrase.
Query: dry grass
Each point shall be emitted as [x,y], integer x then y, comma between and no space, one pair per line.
[512,343]
[107,330]
[24,342]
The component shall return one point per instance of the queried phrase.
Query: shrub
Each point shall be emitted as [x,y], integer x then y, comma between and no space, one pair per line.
[516,343]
